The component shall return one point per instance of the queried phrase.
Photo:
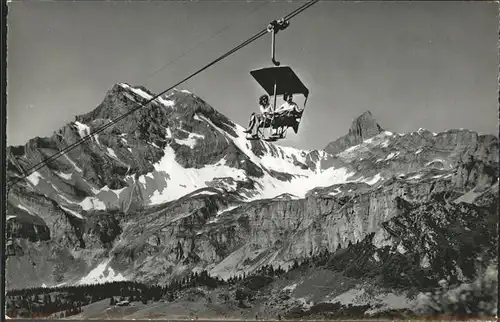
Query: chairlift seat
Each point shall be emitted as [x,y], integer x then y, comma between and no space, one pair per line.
[288,120]
[278,81]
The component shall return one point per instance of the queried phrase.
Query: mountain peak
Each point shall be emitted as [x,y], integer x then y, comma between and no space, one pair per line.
[366,113]
[365,126]
[123,97]
[362,127]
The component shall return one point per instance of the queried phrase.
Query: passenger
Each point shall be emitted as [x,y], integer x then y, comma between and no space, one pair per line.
[288,107]
[265,110]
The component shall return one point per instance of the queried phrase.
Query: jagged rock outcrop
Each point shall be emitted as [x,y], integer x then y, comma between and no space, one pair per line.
[363,127]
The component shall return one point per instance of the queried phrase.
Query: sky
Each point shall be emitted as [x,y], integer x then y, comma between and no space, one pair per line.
[414,65]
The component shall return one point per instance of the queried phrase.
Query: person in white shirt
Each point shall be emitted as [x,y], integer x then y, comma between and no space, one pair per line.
[288,106]
[288,109]
[265,110]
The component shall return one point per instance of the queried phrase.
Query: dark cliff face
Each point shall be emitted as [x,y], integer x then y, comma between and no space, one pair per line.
[175,187]
[425,243]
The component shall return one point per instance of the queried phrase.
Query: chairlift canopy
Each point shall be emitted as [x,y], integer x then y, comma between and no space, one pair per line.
[285,79]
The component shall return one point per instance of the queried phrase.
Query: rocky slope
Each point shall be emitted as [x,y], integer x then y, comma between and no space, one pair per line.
[176,187]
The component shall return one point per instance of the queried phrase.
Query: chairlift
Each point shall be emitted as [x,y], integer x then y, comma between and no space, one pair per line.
[278,80]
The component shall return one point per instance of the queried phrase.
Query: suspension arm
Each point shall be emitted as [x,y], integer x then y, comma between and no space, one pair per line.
[274,27]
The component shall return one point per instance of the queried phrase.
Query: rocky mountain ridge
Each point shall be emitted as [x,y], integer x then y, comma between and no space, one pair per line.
[177,188]
[362,128]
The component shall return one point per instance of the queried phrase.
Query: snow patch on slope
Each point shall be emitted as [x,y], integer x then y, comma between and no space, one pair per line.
[271,187]
[376,178]
[66,176]
[381,140]
[205,192]
[83,130]
[349,297]
[181,216]
[191,140]
[137,91]
[392,155]
[34,178]
[103,273]
[165,102]
[379,302]
[222,212]
[234,264]
[283,162]
[25,209]
[92,203]
[183,181]
[72,163]
[72,212]
[112,153]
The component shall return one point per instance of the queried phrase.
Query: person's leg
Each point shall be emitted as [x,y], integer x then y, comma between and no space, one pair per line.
[277,117]
[259,122]
[251,124]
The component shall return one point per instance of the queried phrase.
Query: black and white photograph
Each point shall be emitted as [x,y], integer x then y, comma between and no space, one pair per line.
[251,160]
